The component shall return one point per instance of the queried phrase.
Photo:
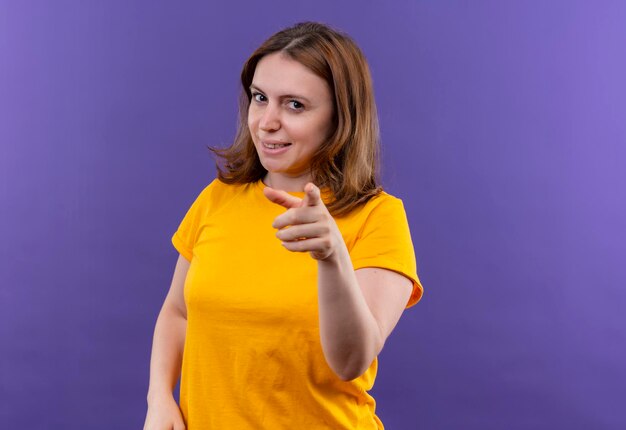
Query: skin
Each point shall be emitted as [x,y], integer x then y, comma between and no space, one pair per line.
[167,353]
[303,120]
[357,309]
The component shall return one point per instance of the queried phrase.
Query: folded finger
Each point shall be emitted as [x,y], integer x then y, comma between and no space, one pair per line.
[308,245]
[295,216]
[300,232]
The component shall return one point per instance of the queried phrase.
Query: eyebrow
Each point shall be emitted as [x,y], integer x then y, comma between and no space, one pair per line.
[284,96]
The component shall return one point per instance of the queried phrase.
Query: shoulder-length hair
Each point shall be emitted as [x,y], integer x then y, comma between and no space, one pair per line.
[348,162]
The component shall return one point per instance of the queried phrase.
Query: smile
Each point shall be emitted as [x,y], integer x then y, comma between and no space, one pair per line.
[275,145]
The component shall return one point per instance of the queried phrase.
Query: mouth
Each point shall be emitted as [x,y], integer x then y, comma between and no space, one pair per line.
[275,145]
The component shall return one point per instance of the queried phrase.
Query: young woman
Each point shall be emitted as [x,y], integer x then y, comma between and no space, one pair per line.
[294,265]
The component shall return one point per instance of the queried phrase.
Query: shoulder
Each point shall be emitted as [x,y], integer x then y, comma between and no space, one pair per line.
[218,191]
[384,199]
[219,196]
[215,195]
[381,204]
[380,211]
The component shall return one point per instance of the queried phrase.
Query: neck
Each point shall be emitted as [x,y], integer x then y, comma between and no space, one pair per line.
[286,183]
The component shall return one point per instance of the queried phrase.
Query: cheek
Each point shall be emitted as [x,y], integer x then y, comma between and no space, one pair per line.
[308,131]
[322,131]
[250,119]
[253,117]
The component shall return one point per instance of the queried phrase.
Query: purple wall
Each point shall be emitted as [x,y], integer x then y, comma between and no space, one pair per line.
[504,131]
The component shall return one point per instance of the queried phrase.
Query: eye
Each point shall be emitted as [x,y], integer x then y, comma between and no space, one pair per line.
[296,105]
[258,97]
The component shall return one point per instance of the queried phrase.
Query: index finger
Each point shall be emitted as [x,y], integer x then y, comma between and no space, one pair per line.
[282,198]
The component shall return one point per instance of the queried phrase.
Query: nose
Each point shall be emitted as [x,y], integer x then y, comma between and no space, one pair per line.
[269,120]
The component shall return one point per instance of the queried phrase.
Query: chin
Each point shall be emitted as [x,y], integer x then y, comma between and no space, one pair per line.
[272,165]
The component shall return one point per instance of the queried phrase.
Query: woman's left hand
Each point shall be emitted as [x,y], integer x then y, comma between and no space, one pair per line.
[311,228]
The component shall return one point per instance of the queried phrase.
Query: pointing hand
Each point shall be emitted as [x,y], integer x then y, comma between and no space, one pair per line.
[306,225]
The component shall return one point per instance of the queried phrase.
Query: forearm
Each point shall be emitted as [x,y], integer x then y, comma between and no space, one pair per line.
[167,352]
[349,333]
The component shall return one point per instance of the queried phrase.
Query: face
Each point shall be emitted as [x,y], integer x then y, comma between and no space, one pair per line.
[290,116]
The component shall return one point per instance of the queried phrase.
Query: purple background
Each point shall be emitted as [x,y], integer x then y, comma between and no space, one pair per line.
[504,132]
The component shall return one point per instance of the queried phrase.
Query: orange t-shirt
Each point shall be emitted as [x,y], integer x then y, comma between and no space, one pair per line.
[252,357]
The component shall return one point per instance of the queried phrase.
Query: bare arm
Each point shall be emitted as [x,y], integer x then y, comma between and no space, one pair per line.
[169,336]
[357,310]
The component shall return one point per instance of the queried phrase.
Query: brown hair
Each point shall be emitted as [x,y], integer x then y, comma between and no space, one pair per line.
[348,163]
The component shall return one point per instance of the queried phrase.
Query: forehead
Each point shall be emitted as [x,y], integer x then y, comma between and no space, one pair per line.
[276,74]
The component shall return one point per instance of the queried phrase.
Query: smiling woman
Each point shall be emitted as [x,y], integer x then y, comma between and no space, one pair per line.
[287,130]
[295,265]
[320,60]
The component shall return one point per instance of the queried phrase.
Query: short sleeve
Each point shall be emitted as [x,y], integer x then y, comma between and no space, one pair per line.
[385,241]
[186,235]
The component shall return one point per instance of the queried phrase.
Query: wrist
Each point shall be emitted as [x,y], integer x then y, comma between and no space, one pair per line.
[338,258]
[156,395]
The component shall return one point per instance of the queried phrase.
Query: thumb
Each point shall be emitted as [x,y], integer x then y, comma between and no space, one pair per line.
[311,195]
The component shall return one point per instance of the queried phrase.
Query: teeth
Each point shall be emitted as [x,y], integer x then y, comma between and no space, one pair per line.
[273,146]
